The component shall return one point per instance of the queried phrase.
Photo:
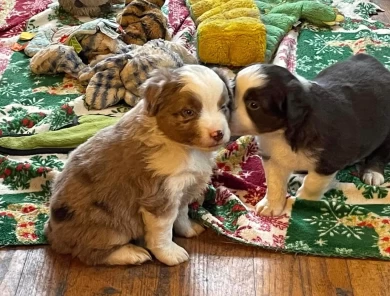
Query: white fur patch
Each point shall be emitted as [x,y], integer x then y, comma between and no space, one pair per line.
[186,227]
[180,163]
[249,77]
[202,81]
[275,145]
[282,162]
[373,178]
[158,238]
[314,186]
[128,254]
[173,159]
[306,84]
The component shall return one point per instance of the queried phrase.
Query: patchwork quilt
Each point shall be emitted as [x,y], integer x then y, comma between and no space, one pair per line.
[352,219]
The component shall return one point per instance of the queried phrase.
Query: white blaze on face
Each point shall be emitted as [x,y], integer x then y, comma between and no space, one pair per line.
[208,87]
[247,78]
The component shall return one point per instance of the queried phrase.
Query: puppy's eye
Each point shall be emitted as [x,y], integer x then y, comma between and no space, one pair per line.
[187,113]
[253,105]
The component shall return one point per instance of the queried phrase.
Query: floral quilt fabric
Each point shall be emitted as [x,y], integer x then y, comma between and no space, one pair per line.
[352,219]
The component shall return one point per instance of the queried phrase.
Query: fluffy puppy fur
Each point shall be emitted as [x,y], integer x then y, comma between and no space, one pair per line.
[134,180]
[340,118]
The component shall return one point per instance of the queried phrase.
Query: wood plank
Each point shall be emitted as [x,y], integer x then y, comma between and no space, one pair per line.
[44,273]
[366,278]
[101,280]
[221,267]
[324,276]
[277,274]
[204,274]
[11,268]
[384,270]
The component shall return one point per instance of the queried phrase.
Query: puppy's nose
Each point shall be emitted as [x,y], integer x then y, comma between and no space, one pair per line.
[217,135]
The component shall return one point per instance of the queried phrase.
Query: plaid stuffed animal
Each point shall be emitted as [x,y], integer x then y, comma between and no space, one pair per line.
[92,8]
[57,58]
[119,77]
[142,21]
[100,44]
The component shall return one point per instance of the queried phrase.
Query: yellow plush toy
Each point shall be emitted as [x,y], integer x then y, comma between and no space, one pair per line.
[229,32]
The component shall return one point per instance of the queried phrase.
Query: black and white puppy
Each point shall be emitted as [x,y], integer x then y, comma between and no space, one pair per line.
[340,118]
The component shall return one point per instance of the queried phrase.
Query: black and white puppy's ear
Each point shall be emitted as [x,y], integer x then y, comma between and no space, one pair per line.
[153,90]
[297,108]
[297,104]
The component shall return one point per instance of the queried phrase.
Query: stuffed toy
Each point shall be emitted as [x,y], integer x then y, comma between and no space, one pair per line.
[279,16]
[57,58]
[142,21]
[91,8]
[96,37]
[229,32]
[98,45]
[72,57]
[241,32]
[119,77]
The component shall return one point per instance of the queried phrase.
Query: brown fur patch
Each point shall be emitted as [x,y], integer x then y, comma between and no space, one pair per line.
[172,118]
[101,205]
[153,88]
[169,104]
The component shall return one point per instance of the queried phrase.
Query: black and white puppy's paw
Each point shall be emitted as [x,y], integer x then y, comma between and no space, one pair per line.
[373,178]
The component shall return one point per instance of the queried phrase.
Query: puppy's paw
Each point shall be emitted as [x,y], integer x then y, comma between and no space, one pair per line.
[171,255]
[128,255]
[265,207]
[373,178]
[188,229]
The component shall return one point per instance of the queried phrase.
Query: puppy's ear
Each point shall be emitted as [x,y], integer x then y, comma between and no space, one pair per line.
[153,90]
[297,108]
[224,75]
[297,102]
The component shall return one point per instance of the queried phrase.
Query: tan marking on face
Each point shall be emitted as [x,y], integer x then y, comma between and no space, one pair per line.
[172,118]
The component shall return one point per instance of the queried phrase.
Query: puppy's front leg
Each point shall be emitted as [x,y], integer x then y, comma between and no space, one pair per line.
[184,226]
[158,237]
[274,201]
[314,186]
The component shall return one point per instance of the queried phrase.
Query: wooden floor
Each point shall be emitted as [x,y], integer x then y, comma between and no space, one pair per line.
[217,267]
